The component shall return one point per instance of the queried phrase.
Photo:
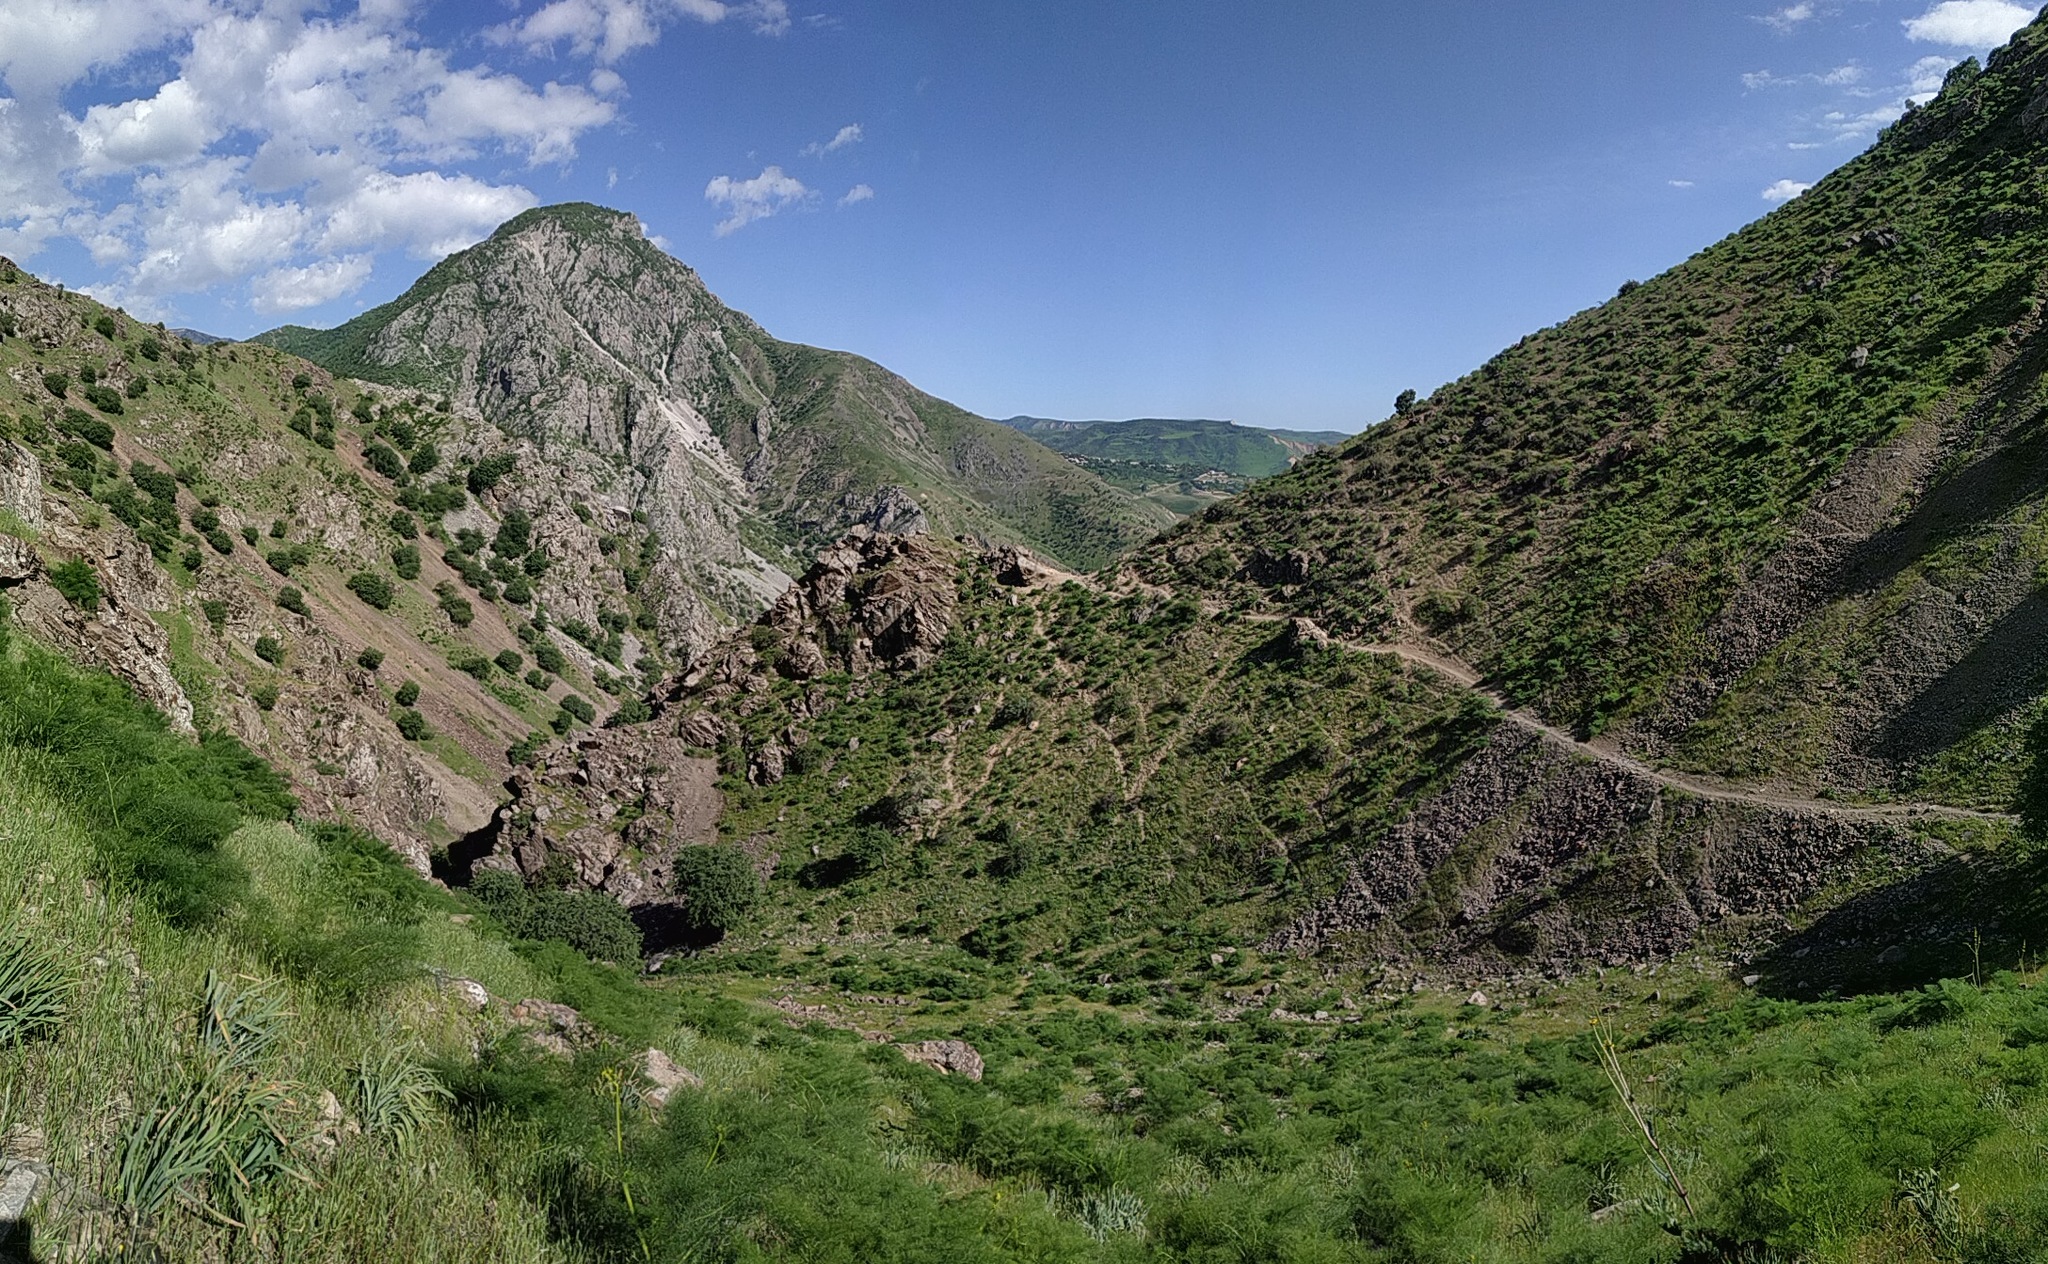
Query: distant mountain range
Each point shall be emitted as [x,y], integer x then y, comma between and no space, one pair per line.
[1247,451]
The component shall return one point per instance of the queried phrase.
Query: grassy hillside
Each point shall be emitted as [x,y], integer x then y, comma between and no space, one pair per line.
[1247,451]
[267,551]
[232,1037]
[1574,516]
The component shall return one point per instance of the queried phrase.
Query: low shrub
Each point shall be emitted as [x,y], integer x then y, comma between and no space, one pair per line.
[375,591]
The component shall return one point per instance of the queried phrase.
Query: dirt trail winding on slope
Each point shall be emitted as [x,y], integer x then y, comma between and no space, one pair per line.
[1462,673]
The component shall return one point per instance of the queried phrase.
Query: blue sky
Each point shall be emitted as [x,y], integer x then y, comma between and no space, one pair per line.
[1279,214]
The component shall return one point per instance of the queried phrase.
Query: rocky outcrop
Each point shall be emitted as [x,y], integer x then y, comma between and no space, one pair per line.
[662,1076]
[618,804]
[1534,858]
[570,330]
[947,1057]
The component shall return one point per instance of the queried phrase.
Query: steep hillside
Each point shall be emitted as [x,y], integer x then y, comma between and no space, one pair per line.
[1772,514]
[569,329]
[375,592]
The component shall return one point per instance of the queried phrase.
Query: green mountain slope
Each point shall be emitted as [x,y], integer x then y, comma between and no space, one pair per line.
[1670,626]
[1591,817]
[570,329]
[1248,451]
[1183,465]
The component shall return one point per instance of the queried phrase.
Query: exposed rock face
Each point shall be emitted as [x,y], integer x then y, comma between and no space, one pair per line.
[119,634]
[1559,860]
[21,501]
[947,1057]
[663,1076]
[569,331]
[618,804]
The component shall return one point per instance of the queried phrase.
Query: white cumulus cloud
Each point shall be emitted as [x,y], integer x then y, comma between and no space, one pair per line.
[858,193]
[1785,191]
[1787,18]
[274,148]
[607,30]
[1969,23]
[294,289]
[848,135]
[748,200]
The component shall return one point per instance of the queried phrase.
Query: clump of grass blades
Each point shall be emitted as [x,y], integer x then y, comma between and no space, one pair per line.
[35,989]
[395,1097]
[207,1142]
[238,1026]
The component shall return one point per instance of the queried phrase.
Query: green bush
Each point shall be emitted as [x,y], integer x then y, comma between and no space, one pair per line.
[509,662]
[290,598]
[408,693]
[593,924]
[457,608]
[156,483]
[548,657]
[105,398]
[717,887]
[58,384]
[412,726]
[489,472]
[405,559]
[88,427]
[870,848]
[264,695]
[216,612]
[578,707]
[270,650]
[370,659]
[375,590]
[104,325]
[78,583]
[426,458]
[472,664]
[538,679]
[384,461]
[631,711]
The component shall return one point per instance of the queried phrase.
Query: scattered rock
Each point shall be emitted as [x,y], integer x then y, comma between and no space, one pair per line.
[538,1013]
[1892,955]
[664,1076]
[21,1183]
[1479,999]
[947,1057]
[550,1043]
[468,992]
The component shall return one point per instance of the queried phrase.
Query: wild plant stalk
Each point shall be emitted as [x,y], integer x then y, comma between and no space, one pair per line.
[1660,1162]
[613,1081]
